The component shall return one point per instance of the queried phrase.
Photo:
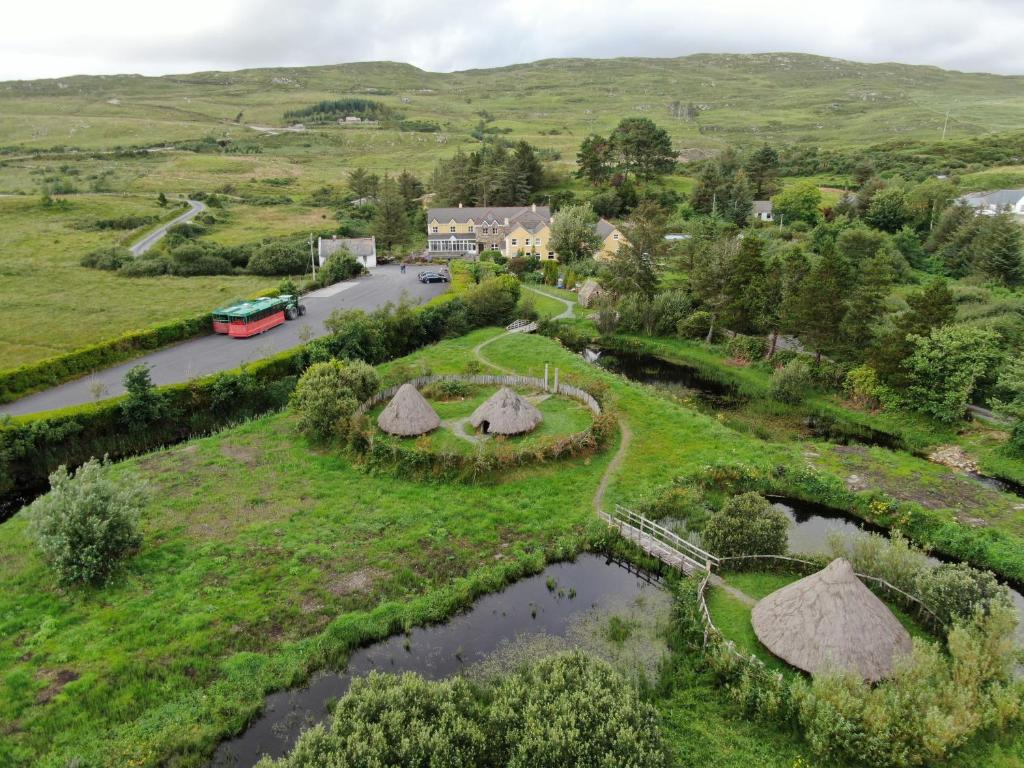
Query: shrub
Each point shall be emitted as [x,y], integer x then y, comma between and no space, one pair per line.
[146,266]
[328,394]
[280,258]
[746,525]
[1016,442]
[446,390]
[493,300]
[87,524]
[668,308]
[142,405]
[563,712]
[791,382]
[863,387]
[111,258]
[635,313]
[954,592]
[339,266]
[747,348]
[695,326]
[527,308]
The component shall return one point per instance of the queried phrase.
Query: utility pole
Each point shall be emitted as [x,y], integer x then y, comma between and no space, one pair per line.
[312,257]
[946,123]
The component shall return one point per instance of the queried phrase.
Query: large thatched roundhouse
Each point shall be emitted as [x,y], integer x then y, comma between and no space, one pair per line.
[505,413]
[830,620]
[408,414]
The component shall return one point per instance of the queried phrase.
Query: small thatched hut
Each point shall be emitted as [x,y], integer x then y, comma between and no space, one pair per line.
[831,620]
[408,414]
[505,413]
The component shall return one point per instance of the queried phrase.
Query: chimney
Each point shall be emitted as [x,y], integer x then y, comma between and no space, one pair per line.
[506,221]
[534,206]
[460,205]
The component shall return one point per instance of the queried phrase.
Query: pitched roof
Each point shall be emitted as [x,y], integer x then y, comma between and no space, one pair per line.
[831,620]
[604,228]
[486,213]
[360,247]
[506,413]
[408,414]
[762,206]
[1000,198]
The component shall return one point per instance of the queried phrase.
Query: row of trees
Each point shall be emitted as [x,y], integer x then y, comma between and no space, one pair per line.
[495,174]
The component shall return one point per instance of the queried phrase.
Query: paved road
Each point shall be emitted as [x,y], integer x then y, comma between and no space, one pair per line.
[143,245]
[209,354]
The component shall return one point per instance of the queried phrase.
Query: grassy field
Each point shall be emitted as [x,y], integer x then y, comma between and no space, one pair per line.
[49,304]
[266,557]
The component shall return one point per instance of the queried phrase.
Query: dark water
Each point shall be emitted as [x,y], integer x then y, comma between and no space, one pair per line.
[650,369]
[436,652]
[997,484]
[812,524]
[11,503]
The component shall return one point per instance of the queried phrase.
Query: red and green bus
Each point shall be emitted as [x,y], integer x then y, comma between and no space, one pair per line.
[249,318]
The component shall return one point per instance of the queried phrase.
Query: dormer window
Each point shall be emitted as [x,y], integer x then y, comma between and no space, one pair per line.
[451,228]
[470,228]
[434,229]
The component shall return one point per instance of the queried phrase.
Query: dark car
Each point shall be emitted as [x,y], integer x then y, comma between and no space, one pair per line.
[431,277]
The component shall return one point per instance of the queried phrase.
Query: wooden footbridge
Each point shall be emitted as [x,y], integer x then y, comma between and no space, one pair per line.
[658,541]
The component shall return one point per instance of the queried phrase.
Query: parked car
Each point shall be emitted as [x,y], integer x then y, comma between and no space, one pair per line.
[431,277]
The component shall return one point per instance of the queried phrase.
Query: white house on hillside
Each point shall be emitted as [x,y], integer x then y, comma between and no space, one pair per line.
[364,249]
[762,210]
[991,203]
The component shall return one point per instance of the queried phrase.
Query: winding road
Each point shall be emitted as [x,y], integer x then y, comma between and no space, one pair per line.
[194,209]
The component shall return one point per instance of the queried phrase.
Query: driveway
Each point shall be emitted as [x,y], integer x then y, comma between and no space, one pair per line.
[209,354]
[194,209]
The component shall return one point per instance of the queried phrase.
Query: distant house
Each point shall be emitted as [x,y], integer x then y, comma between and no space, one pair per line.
[511,230]
[675,237]
[364,249]
[762,210]
[991,203]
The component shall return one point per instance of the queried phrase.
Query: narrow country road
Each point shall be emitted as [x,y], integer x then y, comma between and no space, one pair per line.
[147,242]
[210,354]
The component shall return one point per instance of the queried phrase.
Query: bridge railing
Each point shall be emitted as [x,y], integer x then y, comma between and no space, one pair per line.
[703,559]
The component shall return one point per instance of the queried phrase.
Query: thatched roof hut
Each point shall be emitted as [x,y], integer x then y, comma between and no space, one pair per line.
[408,414]
[505,413]
[831,620]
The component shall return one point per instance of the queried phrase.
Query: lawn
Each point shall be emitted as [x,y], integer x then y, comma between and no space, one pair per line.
[50,305]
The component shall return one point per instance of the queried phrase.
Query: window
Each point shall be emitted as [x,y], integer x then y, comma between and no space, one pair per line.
[615,236]
[470,228]
[526,241]
[551,254]
[514,241]
[451,228]
[434,230]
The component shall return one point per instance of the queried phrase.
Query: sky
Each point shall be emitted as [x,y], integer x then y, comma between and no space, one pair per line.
[66,37]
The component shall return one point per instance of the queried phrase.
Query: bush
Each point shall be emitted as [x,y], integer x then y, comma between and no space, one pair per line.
[194,259]
[146,266]
[863,387]
[791,382]
[339,266]
[635,313]
[747,348]
[668,309]
[87,524]
[280,258]
[1016,442]
[328,394]
[142,405]
[110,259]
[954,591]
[746,525]
[695,325]
[568,711]
[493,301]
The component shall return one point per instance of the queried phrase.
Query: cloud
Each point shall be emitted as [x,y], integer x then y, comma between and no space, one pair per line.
[113,36]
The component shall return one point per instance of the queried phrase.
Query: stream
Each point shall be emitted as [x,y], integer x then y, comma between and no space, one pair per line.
[589,587]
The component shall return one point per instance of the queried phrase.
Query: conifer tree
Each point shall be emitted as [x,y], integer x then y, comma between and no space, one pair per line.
[391,220]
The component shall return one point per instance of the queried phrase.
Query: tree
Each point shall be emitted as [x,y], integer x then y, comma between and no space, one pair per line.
[709,277]
[782,308]
[997,249]
[888,210]
[746,525]
[328,393]
[951,219]
[798,202]
[411,189]
[927,200]
[143,404]
[931,307]
[362,183]
[161,200]
[743,309]
[391,220]
[821,307]
[723,190]
[763,170]
[944,369]
[573,236]
[632,268]
[642,149]
[87,524]
[866,307]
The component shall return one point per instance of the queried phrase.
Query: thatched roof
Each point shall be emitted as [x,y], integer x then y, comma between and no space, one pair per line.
[831,620]
[506,413]
[408,414]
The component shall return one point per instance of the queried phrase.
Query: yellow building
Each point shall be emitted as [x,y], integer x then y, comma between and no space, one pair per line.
[514,231]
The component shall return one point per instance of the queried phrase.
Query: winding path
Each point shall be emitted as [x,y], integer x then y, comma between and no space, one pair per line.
[148,241]
[567,313]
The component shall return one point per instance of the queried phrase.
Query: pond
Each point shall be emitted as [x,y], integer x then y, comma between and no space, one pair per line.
[563,603]
[11,503]
[813,524]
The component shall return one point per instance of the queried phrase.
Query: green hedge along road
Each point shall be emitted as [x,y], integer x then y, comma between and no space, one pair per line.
[213,353]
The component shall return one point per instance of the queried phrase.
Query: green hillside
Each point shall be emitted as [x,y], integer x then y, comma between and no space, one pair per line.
[739,99]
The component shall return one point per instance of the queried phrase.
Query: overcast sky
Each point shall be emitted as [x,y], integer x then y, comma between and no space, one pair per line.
[65,37]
